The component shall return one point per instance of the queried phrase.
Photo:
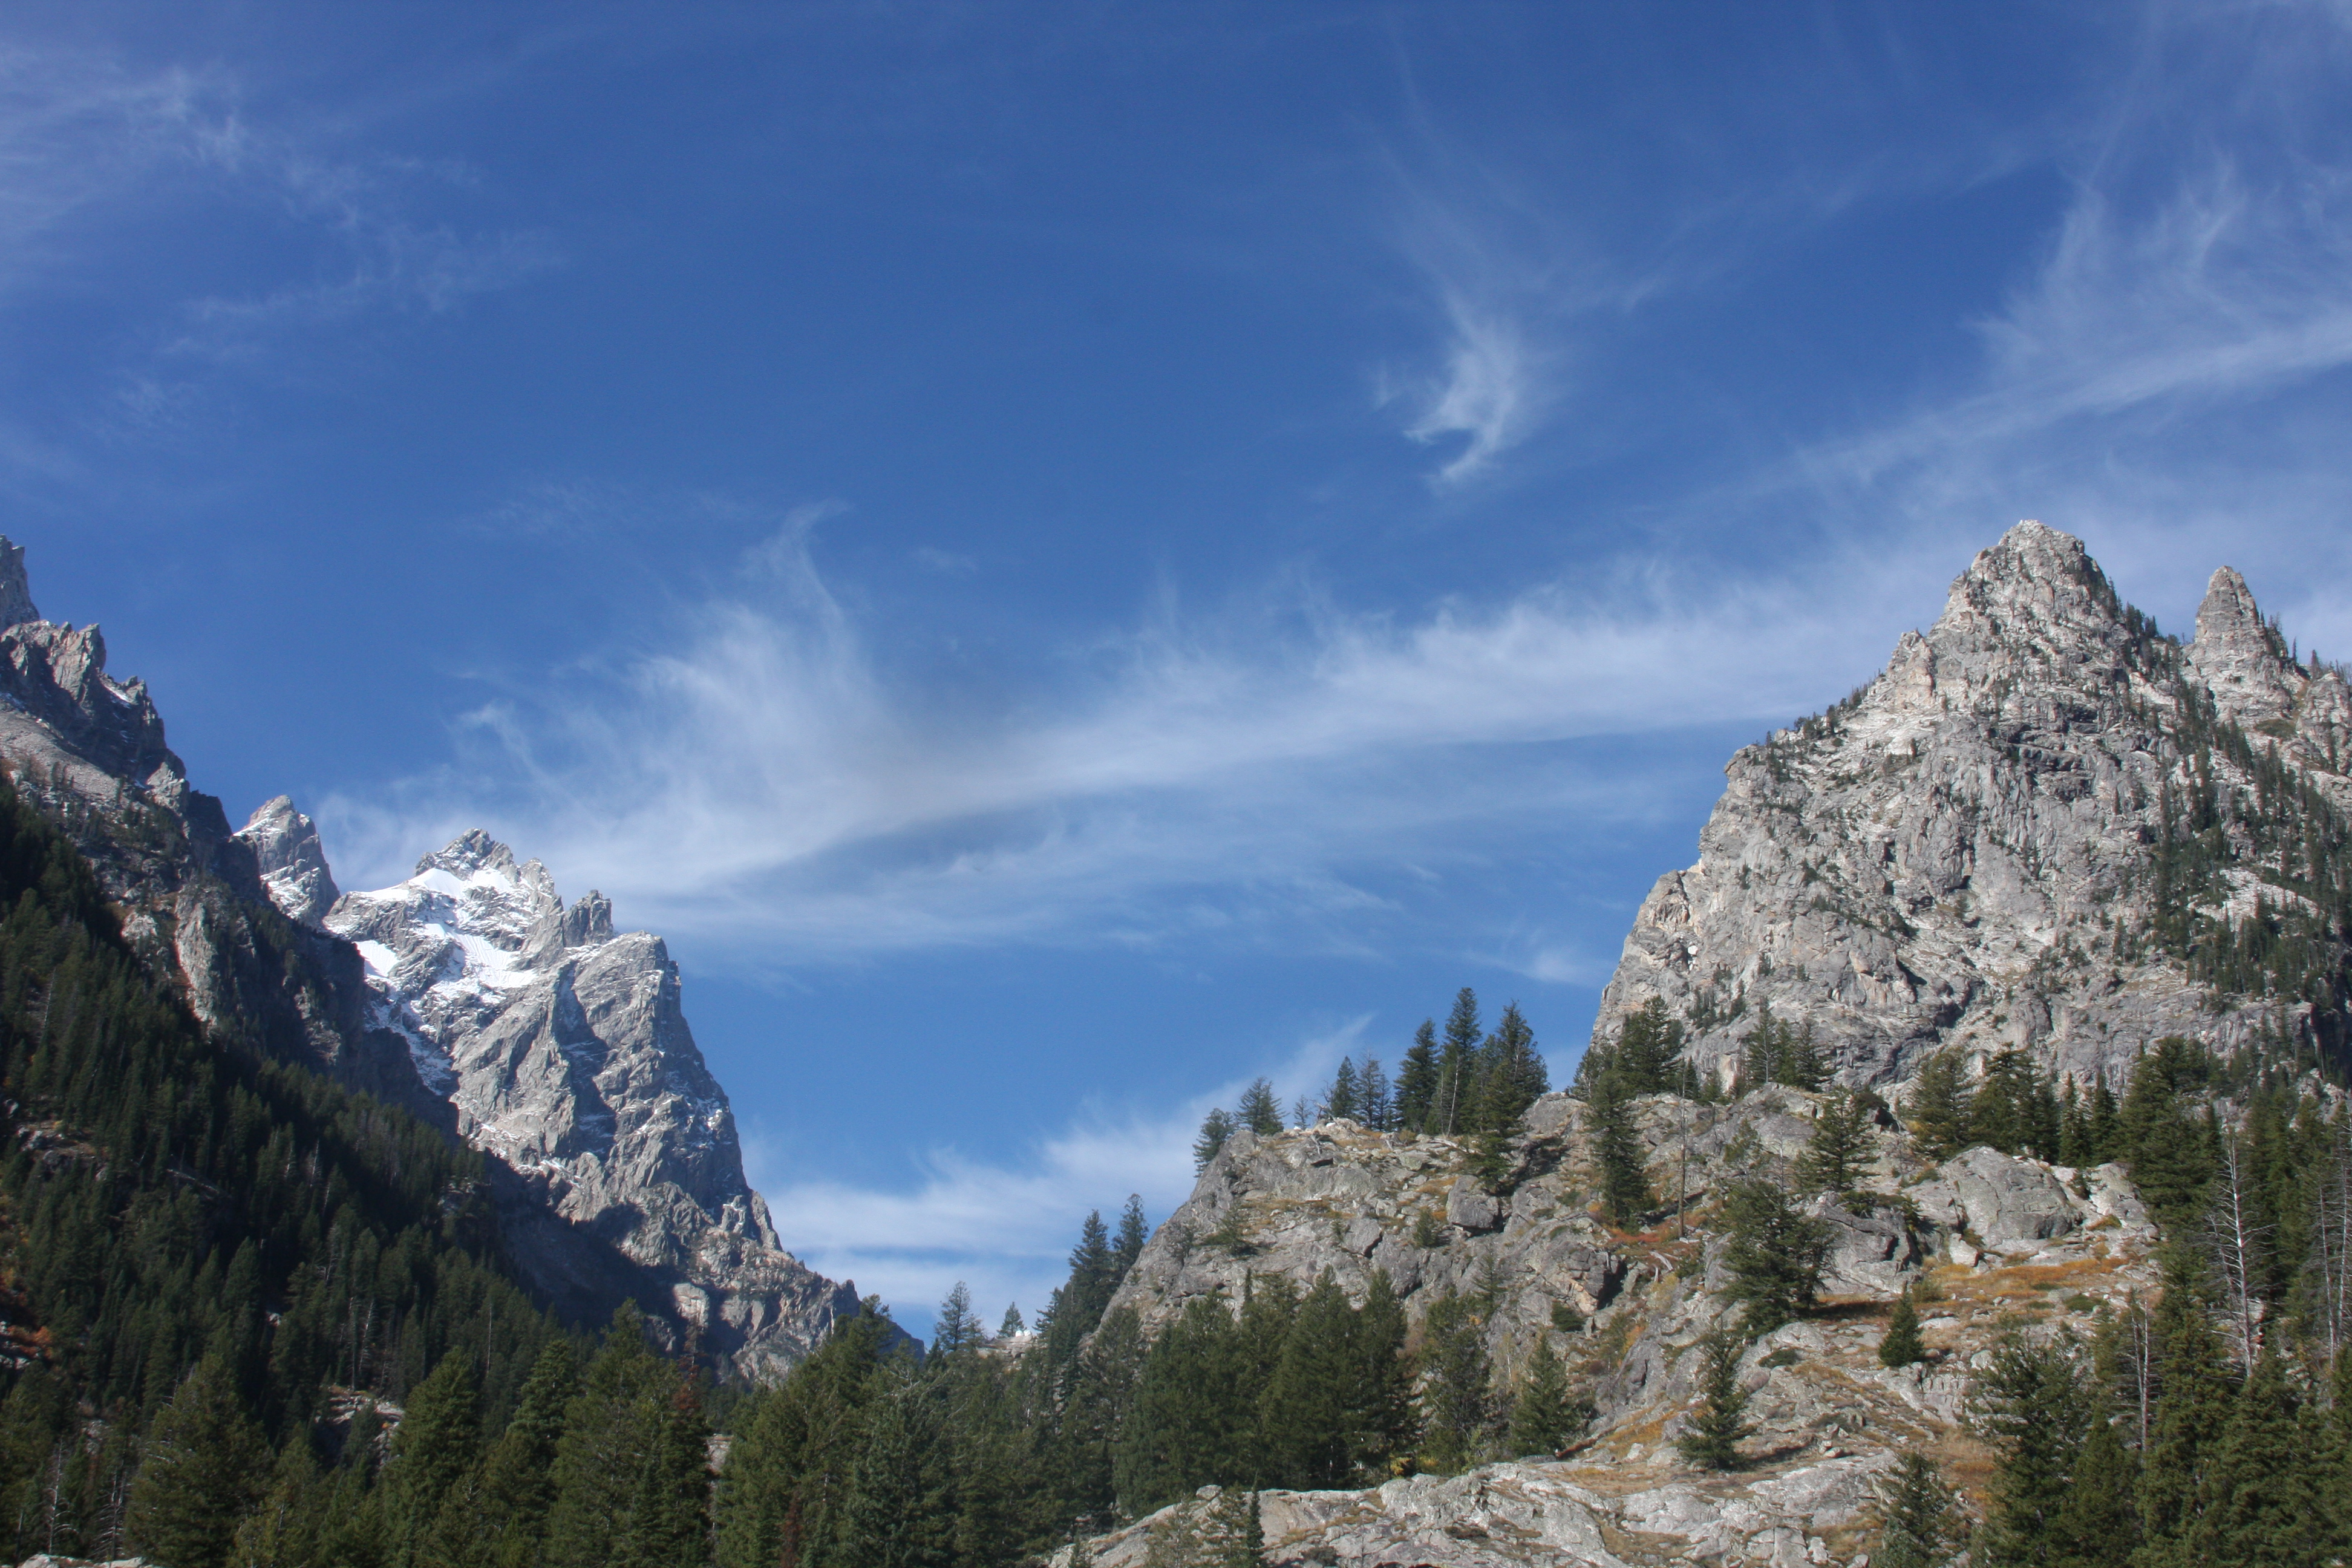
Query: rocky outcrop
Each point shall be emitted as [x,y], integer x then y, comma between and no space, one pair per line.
[1993,1244]
[562,1047]
[1527,1514]
[1965,852]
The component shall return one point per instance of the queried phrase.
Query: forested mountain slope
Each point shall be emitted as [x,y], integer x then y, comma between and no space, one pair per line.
[575,1049]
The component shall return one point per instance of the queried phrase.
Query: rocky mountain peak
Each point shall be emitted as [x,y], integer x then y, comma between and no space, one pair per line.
[16,594]
[562,1047]
[292,862]
[2240,658]
[1966,853]
[2034,609]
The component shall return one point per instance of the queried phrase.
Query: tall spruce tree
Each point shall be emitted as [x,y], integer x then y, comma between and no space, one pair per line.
[1379,1110]
[1939,1109]
[1921,1513]
[1215,1128]
[1259,1111]
[1774,1254]
[1902,1345]
[1416,1087]
[432,1451]
[1711,1431]
[2266,1502]
[1344,1096]
[1547,1415]
[205,1458]
[1626,1195]
[2033,1408]
[1842,1144]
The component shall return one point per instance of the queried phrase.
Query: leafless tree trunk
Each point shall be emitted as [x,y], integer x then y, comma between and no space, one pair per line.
[2237,1243]
[2141,1351]
[2331,1243]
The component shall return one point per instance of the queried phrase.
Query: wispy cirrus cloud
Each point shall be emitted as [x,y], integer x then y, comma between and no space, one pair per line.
[759,776]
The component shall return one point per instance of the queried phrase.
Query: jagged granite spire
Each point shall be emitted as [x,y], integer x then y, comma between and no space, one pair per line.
[16,594]
[293,863]
[1962,853]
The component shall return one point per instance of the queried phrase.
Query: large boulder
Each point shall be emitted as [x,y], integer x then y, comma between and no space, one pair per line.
[2006,1203]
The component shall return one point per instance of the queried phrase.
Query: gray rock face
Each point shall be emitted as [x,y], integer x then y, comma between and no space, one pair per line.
[564,1050]
[88,749]
[1948,857]
[292,863]
[2007,1203]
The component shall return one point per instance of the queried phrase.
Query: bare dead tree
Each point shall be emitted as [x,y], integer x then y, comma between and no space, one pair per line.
[2236,1243]
[2137,1344]
[2331,1242]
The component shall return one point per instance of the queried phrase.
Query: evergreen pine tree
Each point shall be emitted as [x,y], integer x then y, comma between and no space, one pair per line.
[2104,1122]
[1902,1345]
[1012,1323]
[2191,1412]
[1625,1192]
[2099,1526]
[1774,1254]
[1133,1232]
[203,1460]
[669,1518]
[2260,1503]
[1938,1108]
[1381,1413]
[1841,1145]
[1457,1062]
[1304,1414]
[434,1446]
[1259,1111]
[2170,1162]
[609,1429]
[1343,1099]
[2032,1406]
[1215,1128]
[1801,1063]
[1514,1075]
[1378,1111]
[1457,1400]
[1416,1087]
[517,1486]
[956,1327]
[1546,1417]
[1711,1431]
[1921,1515]
[1760,1060]
[1648,1044]
[894,1515]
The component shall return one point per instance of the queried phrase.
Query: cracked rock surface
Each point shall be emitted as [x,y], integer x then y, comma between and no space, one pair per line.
[1945,858]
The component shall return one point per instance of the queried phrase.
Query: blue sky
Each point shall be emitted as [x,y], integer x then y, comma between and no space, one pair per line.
[1067,555]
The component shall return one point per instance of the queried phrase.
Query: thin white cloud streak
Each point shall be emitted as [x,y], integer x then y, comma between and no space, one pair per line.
[1006,1229]
[765,782]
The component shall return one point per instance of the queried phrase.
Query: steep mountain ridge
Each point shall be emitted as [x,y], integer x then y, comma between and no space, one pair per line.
[564,1049]
[495,1013]
[2042,826]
